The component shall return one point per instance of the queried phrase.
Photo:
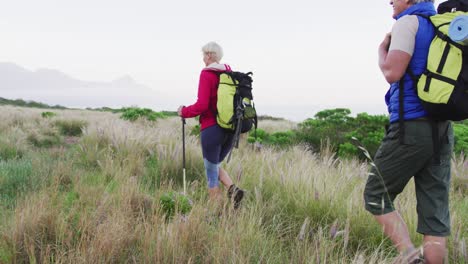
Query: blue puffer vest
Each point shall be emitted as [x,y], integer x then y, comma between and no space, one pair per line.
[411,103]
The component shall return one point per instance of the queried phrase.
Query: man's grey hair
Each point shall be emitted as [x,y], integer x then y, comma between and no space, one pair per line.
[422,1]
[214,49]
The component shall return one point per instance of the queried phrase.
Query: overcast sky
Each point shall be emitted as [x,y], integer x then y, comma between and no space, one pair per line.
[305,55]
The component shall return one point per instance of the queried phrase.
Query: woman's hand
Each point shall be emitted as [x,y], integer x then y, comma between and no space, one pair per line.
[179,110]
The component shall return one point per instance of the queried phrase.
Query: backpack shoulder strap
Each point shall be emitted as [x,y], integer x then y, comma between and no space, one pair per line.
[215,111]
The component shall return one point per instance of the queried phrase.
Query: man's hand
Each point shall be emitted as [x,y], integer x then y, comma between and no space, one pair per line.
[386,42]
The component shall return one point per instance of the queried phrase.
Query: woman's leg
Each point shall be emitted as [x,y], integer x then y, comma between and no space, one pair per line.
[226,147]
[214,194]
[224,178]
[212,175]
[211,140]
[234,193]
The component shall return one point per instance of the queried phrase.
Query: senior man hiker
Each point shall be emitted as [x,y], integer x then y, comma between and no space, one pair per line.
[409,153]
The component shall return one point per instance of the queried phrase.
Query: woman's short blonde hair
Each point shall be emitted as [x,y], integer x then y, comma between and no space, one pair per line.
[214,49]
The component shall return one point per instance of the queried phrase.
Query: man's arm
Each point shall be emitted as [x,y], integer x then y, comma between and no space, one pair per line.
[392,63]
[397,48]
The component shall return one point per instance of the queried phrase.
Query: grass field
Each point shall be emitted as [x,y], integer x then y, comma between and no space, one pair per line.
[85,186]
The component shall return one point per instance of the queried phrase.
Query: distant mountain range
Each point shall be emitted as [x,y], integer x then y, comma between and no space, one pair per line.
[54,87]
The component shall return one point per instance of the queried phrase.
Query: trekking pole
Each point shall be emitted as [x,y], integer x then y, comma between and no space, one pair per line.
[183,153]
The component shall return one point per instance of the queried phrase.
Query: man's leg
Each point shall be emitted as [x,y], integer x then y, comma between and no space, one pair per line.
[434,249]
[432,193]
[395,228]
[394,165]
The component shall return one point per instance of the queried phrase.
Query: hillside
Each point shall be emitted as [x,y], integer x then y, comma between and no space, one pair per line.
[85,187]
[21,102]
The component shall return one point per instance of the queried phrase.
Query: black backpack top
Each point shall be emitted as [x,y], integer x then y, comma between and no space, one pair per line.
[452,6]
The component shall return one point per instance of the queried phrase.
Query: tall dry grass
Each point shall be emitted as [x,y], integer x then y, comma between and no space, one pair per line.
[94,199]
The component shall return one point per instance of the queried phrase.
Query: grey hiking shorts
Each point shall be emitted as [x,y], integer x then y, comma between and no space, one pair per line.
[396,163]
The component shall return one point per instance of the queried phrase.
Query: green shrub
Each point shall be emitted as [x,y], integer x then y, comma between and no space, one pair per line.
[195,131]
[370,140]
[172,202]
[282,139]
[260,136]
[348,150]
[252,139]
[313,131]
[16,178]
[336,126]
[71,127]
[48,114]
[369,130]
[461,138]
[9,151]
[279,139]
[45,140]
[134,113]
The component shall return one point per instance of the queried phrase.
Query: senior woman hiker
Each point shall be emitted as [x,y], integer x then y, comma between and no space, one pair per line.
[407,151]
[216,142]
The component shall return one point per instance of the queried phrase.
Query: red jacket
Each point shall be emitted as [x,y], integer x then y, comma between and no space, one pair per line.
[205,107]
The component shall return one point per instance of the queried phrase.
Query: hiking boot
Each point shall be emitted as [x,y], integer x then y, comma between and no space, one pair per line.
[235,194]
[411,256]
[417,261]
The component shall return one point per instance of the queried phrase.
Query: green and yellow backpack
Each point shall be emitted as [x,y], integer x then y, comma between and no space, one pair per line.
[235,108]
[443,87]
